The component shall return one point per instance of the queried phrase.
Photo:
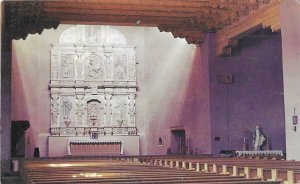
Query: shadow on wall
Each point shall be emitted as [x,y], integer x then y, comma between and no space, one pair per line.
[19,104]
[195,115]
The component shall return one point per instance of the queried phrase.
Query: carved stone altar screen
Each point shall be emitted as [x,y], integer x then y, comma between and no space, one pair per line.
[93,83]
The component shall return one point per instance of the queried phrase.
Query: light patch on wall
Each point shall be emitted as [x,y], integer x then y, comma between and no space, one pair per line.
[174,76]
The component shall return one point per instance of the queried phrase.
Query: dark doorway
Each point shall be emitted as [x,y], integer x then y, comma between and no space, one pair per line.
[178,144]
[18,129]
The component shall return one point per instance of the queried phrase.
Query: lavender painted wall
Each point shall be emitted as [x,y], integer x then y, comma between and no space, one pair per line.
[176,95]
[173,88]
[254,98]
[290,29]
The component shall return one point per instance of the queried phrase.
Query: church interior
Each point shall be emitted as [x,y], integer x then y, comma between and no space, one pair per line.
[150,91]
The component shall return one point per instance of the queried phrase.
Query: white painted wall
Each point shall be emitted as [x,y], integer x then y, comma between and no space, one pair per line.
[290,30]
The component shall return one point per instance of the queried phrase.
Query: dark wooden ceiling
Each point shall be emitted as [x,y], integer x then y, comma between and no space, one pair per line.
[188,19]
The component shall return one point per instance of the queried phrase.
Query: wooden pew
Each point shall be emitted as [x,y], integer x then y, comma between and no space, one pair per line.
[288,171]
[118,171]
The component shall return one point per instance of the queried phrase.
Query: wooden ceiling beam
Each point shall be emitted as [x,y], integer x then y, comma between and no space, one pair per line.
[218,9]
[152,20]
[135,7]
[118,18]
[163,3]
[193,18]
[122,12]
[265,17]
[189,19]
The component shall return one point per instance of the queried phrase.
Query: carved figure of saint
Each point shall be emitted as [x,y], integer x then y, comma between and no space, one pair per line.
[67,107]
[258,138]
[119,115]
[119,71]
[108,65]
[94,68]
[66,66]
[94,113]
[80,66]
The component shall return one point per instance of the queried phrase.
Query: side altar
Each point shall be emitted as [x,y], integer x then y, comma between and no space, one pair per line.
[93,89]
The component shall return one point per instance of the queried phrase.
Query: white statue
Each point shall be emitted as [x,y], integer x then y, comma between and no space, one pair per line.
[258,138]
[67,107]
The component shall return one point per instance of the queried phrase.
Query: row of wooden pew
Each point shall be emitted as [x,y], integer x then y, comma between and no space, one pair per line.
[287,172]
[140,170]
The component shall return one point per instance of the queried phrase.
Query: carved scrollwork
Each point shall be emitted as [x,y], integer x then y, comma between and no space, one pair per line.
[54,109]
[80,109]
[131,109]
[108,109]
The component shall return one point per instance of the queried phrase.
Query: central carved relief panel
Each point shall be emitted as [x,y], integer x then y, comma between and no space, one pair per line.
[93,83]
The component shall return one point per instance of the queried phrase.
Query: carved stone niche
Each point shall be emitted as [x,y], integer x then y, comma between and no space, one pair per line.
[93,83]
[95,113]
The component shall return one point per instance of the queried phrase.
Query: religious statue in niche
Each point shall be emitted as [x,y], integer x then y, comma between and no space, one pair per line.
[67,107]
[119,66]
[80,109]
[66,67]
[108,109]
[108,61]
[119,115]
[94,111]
[131,110]
[80,66]
[94,68]
[258,138]
[54,108]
